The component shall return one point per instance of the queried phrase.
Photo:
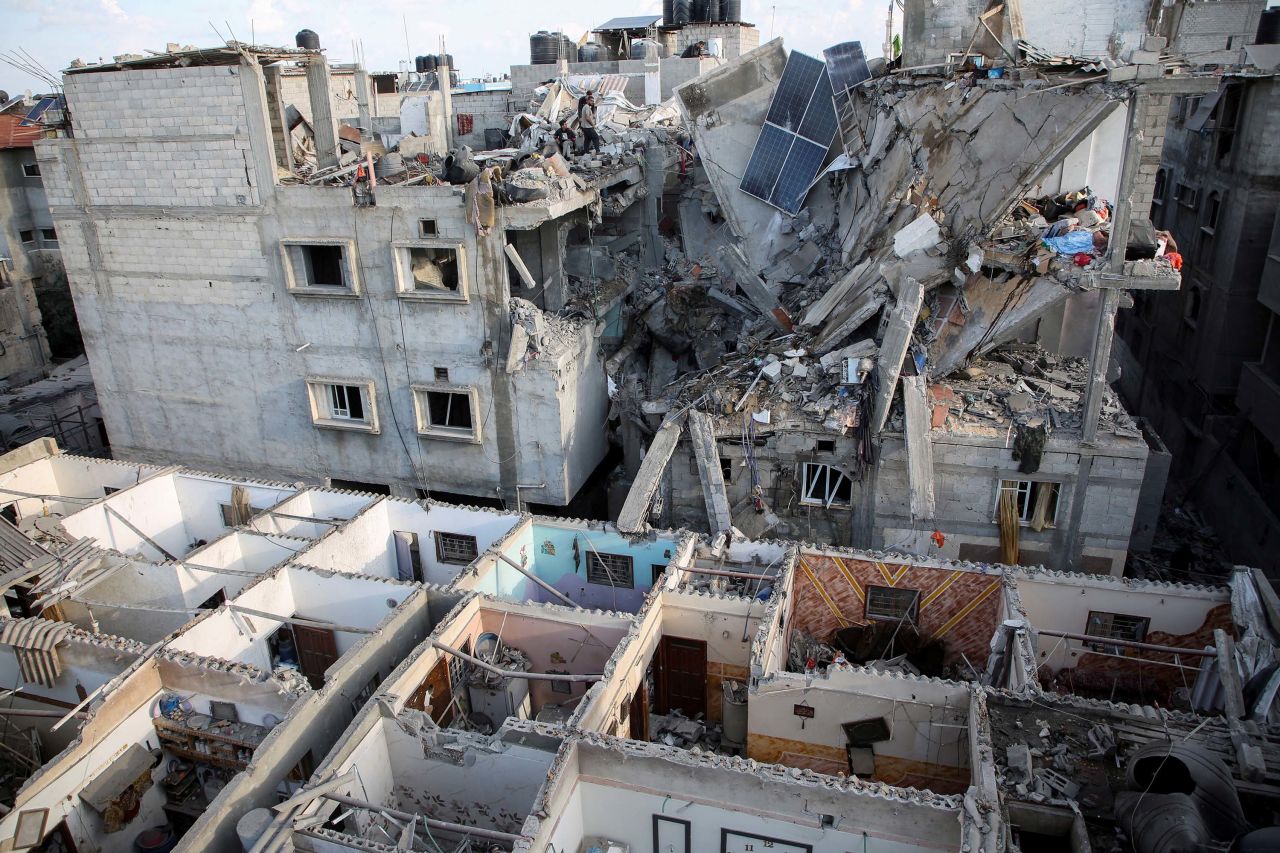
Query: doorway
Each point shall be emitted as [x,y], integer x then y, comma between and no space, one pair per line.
[681,677]
[317,651]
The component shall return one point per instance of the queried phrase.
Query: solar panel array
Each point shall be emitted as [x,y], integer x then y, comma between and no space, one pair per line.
[795,138]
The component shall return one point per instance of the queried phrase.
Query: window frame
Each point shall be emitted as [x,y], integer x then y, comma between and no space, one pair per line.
[911,611]
[27,167]
[321,415]
[45,232]
[1027,507]
[442,546]
[29,240]
[598,566]
[1143,623]
[422,412]
[807,486]
[403,251]
[295,279]
[1186,195]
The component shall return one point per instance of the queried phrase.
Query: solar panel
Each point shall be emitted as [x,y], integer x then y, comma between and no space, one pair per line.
[795,138]
[795,90]
[847,65]
[37,111]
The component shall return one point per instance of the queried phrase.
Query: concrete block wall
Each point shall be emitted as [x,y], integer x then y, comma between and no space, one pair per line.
[487,109]
[735,39]
[1215,33]
[342,96]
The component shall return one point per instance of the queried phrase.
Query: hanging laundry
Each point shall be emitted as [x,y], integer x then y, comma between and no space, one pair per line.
[1028,447]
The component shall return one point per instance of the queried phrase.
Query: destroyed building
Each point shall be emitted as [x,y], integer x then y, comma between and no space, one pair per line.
[245,270]
[905,342]
[213,662]
[1203,365]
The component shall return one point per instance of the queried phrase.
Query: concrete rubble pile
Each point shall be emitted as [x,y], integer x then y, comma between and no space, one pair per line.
[924,247]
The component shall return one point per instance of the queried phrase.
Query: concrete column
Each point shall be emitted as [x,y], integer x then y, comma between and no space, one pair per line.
[276,121]
[323,124]
[654,179]
[555,288]
[363,97]
[445,77]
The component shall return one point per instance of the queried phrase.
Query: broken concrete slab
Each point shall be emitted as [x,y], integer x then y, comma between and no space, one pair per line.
[634,515]
[702,434]
[893,349]
[735,263]
[850,285]
[921,235]
[995,311]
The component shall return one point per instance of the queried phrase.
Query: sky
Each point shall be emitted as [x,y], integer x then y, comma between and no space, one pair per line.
[484,37]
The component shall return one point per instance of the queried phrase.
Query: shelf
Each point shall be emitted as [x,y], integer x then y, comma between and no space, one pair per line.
[206,758]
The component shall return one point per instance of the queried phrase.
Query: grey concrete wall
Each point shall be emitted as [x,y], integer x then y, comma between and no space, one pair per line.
[172,231]
[23,207]
[487,109]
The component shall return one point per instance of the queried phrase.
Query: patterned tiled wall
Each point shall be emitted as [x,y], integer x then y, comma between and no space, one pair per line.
[960,607]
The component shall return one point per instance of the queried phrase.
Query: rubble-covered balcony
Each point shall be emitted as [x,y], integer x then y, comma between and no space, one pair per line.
[61,484]
[589,565]
[292,625]
[171,515]
[495,660]
[392,784]
[1124,640]
[423,541]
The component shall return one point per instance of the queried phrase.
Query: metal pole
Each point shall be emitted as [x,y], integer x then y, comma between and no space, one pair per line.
[539,581]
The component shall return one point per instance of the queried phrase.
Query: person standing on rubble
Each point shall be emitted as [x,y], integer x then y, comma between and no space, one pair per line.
[587,121]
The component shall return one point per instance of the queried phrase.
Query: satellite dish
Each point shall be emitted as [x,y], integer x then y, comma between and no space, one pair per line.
[4,97]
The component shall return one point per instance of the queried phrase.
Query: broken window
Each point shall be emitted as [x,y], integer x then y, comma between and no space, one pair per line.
[1115,626]
[456,548]
[342,404]
[27,236]
[609,569]
[49,235]
[319,268]
[1157,192]
[31,170]
[826,485]
[447,411]
[442,374]
[1227,118]
[892,603]
[1036,502]
[726,469]
[826,445]
[433,272]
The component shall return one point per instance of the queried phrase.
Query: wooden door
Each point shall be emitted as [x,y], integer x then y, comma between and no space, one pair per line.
[441,693]
[682,676]
[317,650]
[640,713]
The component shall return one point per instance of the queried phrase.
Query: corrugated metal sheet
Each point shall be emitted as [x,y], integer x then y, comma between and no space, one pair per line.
[16,547]
[35,641]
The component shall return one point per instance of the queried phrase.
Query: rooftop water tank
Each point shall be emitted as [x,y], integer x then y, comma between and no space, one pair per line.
[713,10]
[668,12]
[544,48]
[645,49]
[307,39]
[681,10]
[731,10]
[592,51]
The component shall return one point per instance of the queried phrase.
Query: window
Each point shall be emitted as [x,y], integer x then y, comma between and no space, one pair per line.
[1115,626]
[1227,118]
[320,268]
[442,374]
[826,445]
[229,518]
[49,235]
[892,603]
[1204,251]
[456,548]
[656,569]
[826,485]
[27,236]
[343,404]
[1191,306]
[384,84]
[1186,195]
[447,411]
[609,569]
[427,228]
[560,686]
[31,170]
[726,469]
[1036,502]
[1157,192]
[431,271]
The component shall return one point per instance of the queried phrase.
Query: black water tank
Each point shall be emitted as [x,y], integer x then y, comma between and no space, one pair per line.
[446,59]
[731,10]
[1269,27]
[592,51]
[568,48]
[680,10]
[429,62]
[698,10]
[668,12]
[713,10]
[544,48]
[307,39]
[420,64]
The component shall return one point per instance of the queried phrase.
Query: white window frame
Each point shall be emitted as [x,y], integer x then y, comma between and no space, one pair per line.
[319,395]
[1025,508]
[405,288]
[808,477]
[422,412]
[296,278]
